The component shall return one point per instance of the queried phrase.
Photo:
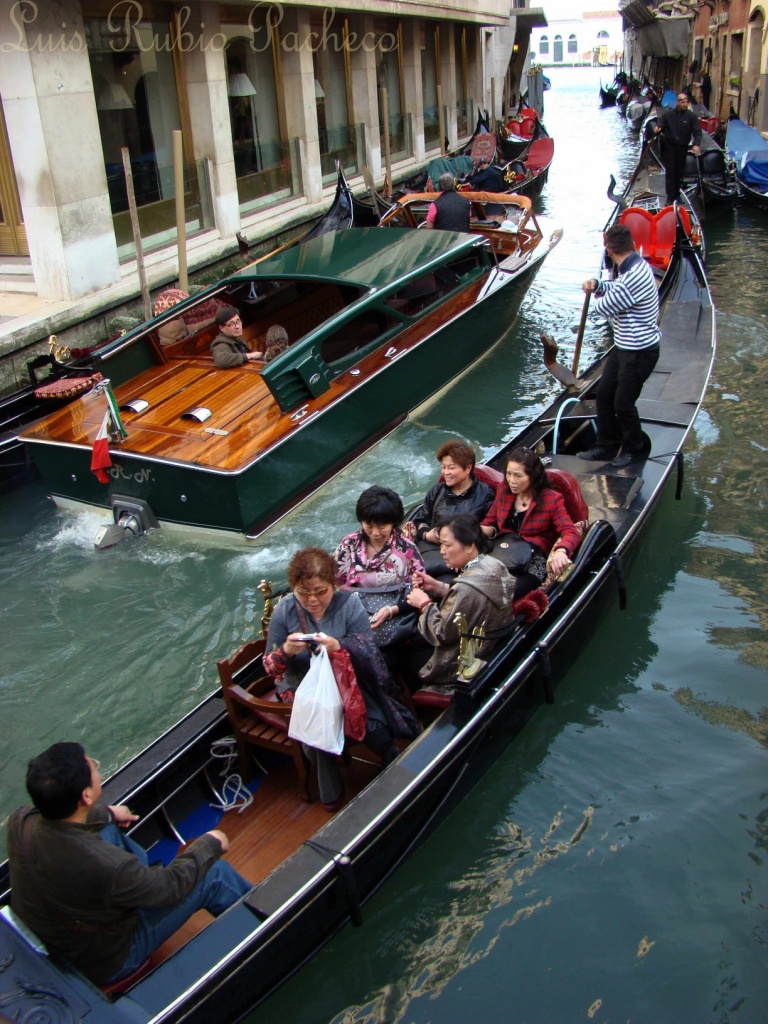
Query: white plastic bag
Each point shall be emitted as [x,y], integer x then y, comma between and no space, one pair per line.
[317,715]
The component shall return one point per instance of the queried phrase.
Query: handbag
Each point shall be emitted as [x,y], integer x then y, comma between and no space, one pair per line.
[355,713]
[399,628]
[512,551]
[317,716]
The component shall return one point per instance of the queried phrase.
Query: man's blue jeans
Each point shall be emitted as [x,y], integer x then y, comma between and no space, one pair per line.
[216,892]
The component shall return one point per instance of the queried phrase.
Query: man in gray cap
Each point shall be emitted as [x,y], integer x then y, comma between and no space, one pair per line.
[450,211]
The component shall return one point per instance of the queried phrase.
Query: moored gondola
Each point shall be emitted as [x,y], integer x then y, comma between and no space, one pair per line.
[749,152]
[311,874]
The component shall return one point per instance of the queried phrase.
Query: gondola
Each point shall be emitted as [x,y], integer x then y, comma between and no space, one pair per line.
[708,178]
[749,152]
[312,874]
[514,139]
[654,224]
[56,381]
[609,94]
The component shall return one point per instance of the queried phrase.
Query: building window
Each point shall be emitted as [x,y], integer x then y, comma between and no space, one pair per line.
[265,162]
[544,45]
[389,76]
[602,34]
[572,45]
[134,84]
[462,80]
[558,49]
[430,78]
[339,140]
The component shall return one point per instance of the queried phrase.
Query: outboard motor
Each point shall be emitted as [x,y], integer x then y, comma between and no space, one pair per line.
[132,518]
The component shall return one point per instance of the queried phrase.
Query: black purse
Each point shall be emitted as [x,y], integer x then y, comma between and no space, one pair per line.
[397,629]
[514,552]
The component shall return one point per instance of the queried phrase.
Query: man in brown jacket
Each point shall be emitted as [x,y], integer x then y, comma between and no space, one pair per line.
[86,889]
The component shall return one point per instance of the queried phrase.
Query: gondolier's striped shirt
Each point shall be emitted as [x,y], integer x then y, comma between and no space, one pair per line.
[631,303]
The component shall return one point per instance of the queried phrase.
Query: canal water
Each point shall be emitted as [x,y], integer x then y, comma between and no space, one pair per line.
[611,865]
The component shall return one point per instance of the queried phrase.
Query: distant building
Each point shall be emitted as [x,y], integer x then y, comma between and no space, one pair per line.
[593,39]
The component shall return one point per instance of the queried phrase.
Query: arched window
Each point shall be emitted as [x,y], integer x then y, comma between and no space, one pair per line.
[544,44]
[602,34]
[557,49]
[572,45]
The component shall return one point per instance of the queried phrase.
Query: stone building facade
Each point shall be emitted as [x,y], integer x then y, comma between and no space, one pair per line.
[267,97]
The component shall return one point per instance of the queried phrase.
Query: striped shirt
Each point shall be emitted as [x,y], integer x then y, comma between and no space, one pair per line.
[631,303]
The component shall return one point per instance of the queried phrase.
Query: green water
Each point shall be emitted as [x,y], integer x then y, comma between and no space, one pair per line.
[611,865]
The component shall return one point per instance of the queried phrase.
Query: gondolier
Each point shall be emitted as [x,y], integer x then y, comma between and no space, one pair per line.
[631,303]
[677,127]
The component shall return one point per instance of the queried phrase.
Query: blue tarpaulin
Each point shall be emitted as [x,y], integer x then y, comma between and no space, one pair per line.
[749,150]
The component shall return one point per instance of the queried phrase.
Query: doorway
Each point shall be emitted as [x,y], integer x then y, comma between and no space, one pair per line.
[13,237]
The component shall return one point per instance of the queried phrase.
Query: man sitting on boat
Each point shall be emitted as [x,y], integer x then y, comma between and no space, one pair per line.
[631,303]
[450,211]
[487,178]
[86,889]
[228,348]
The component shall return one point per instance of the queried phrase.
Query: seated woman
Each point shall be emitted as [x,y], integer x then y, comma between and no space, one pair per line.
[458,493]
[276,342]
[527,506]
[337,620]
[378,560]
[482,592]
[171,330]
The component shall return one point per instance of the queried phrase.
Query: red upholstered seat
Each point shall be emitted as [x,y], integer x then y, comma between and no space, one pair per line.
[654,234]
[490,476]
[711,125]
[522,129]
[640,224]
[116,988]
[566,484]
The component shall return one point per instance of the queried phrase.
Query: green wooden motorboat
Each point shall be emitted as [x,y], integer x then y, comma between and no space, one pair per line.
[379,319]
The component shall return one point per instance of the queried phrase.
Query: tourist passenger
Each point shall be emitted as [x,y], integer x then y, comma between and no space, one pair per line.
[482,592]
[336,619]
[527,506]
[276,342]
[450,211]
[85,888]
[171,330]
[677,126]
[487,178]
[631,303]
[459,491]
[378,560]
[228,348]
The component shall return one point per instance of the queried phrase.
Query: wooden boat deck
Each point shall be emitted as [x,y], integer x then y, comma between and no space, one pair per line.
[271,829]
[244,414]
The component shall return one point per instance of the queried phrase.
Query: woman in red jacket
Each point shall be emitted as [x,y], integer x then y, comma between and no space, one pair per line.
[527,506]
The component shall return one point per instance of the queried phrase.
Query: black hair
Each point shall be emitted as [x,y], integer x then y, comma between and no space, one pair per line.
[532,465]
[379,505]
[466,529]
[56,779]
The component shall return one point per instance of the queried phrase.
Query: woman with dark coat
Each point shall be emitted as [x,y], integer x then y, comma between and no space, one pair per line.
[527,506]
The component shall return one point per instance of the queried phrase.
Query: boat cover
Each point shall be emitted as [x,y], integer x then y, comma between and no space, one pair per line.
[747,147]
[458,166]
[540,154]
[669,99]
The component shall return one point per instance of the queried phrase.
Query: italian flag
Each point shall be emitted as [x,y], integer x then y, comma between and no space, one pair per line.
[100,457]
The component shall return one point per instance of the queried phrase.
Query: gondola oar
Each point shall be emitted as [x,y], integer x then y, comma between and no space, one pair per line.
[568,378]
[580,335]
